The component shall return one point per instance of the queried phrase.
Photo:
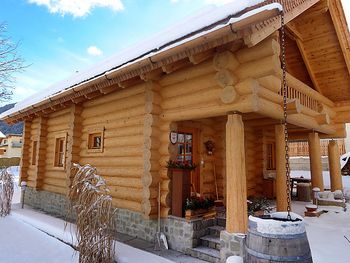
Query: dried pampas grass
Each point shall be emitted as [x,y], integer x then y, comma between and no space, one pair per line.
[91,201]
[6,192]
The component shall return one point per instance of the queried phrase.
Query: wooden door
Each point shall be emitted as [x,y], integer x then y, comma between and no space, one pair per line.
[188,150]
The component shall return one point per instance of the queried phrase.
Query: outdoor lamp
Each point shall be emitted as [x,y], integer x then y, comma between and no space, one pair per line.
[23,190]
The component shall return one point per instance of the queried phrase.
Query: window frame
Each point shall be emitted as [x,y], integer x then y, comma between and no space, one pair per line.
[93,133]
[271,156]
[59,137]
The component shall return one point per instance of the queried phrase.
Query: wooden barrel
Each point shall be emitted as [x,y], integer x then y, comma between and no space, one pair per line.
[272,241]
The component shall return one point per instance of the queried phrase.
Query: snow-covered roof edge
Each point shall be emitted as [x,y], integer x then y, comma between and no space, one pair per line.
[200,24]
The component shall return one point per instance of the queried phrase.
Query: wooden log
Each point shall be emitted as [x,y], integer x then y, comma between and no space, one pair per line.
[118,95]
[236,206]
[200,57]
[121,171]
[293,106]
[271,82]
[322,108]
[244,104]
[113,161]
[266,48]
[228,95]
[225,60]
[315,161]
[334,166]
[260,68]
[187,73]
[192,85]
[281,178]
[225,78]
[323,119]
[126,204]
[128,193]
[247,86]
[112,106]
[207,95]
[113,116]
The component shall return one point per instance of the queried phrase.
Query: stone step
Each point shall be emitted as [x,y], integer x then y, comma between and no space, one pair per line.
[221,221]
[206,254]
[215,230]
[211,242]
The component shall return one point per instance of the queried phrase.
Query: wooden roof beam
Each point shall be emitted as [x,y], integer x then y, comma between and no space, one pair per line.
[294,31]
[92,95]
[152,75]
[77,100]
[338,17]
[200,57]
[308,66]
[175,66]
[257,32]
[129,82]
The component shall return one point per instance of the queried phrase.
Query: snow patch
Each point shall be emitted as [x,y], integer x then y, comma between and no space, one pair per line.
[276,227]
[191,28]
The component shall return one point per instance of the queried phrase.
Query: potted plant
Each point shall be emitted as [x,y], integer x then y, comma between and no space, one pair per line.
[198,206]
[180,174]
[258,206]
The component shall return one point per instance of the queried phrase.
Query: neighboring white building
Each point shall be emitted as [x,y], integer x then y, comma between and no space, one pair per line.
[11,145]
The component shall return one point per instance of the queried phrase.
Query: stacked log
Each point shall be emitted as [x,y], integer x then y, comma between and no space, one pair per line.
[26,148]
[34,133]
[121,117]
[54,179]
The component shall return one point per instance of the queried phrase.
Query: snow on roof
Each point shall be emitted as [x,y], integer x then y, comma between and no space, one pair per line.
[188,29]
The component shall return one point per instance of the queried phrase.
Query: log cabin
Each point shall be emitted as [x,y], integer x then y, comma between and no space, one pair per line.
[216,80]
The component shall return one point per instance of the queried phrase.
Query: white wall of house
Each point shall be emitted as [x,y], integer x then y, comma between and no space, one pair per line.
[11,146]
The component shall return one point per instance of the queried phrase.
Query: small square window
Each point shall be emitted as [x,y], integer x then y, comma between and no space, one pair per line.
[95,142]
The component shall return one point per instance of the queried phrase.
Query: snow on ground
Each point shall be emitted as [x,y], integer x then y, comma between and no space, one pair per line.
[28,236]
[326,234]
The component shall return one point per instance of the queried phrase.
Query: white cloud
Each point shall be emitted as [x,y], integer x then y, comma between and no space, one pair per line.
[94,51]
[78,8]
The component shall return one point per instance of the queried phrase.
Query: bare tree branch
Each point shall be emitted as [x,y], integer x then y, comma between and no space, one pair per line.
[10,62]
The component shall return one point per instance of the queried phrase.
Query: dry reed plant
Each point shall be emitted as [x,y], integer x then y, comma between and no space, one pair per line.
[6,192]
[91,201]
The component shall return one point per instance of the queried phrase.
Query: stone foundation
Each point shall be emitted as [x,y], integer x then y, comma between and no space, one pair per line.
[181,234]
[231,245]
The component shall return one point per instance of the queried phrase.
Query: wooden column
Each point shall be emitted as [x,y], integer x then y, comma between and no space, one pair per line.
[25,160]
[281,178]
[73,140]
[334,166]
[41,153]
[315,161]
[236,204]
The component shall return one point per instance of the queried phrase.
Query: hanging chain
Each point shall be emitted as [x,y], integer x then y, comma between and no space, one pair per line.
[284,90]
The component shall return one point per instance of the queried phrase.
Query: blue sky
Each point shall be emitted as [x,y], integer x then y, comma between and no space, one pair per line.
[60,37]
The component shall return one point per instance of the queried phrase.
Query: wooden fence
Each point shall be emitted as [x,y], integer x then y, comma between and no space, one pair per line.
[302,148]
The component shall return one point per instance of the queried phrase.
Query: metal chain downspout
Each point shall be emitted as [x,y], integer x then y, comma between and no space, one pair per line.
[284,90]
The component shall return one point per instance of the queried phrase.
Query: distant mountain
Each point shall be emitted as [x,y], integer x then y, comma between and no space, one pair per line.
[7,129]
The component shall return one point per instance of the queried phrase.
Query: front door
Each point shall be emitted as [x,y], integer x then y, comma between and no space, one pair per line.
[187,150]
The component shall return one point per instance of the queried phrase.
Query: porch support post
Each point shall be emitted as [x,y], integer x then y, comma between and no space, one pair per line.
[236,209]
[281,178]
[315,161]
[334,166]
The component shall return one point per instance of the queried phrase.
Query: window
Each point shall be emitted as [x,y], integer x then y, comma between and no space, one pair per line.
[95,140]
[184,147]
[270,156]
[60,151]
[34,151]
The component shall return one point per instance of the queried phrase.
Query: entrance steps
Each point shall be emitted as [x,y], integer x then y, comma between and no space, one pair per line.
[209,247]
